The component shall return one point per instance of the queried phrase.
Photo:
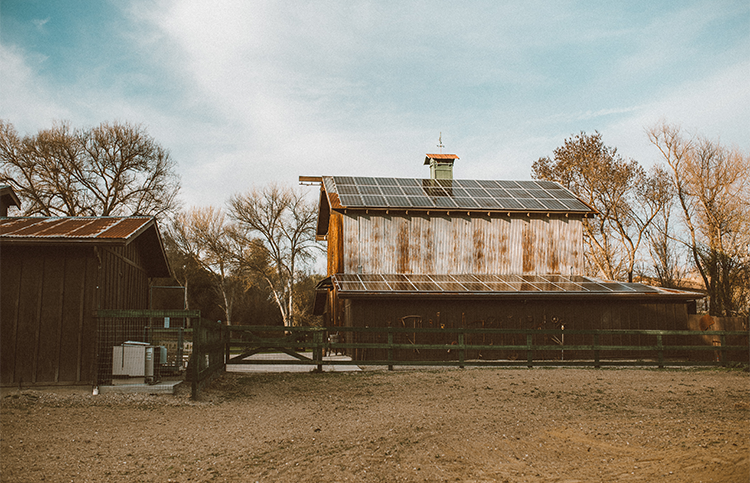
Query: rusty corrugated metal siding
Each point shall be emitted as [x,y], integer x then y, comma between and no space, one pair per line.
[441,243]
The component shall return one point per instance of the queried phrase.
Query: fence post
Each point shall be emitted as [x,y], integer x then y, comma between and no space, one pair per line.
[596,350]
[722,351]
[529,351]
[196,356]
[660,349]
[461,350]
[318,349]
[390,349]
[178,361]
[226,334]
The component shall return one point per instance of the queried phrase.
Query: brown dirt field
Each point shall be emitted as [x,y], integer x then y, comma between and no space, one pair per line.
[471,425]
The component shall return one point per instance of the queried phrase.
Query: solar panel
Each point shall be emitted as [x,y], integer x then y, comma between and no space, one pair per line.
[372,200]
[482,283]
[532,204]
[392,190]
[487,183]
[369,190]
[574,205]
[477,192]
[386,181]
[444,202]
[494,195]
[520,193]
[420,201]
[351,200]
[408,182]
[489,203]
[467,183]
[552,205]
[398,201]
[498,193]
[426,287]
[509,204]
[370,277]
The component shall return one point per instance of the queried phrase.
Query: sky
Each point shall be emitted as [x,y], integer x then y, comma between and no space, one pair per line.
[246,93]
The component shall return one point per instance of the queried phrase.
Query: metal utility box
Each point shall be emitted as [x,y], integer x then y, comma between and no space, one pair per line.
[138,359]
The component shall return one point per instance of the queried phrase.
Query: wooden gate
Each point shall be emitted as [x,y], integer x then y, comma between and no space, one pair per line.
[306,345]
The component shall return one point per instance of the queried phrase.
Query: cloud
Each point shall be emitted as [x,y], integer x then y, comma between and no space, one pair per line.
[24,95]
[717,106]
[40,23]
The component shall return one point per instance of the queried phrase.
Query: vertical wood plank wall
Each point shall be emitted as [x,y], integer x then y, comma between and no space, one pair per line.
[48,332]
[399,243]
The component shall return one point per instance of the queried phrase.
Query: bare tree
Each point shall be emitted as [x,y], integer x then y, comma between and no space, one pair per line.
[713,192]
[111,169]
[203,235]
[626,197]
[278,224]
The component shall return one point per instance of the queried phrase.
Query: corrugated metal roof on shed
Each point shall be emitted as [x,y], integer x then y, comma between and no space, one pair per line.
[73,228]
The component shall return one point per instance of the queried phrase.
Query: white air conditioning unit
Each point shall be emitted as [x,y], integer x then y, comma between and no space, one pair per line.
[138,359]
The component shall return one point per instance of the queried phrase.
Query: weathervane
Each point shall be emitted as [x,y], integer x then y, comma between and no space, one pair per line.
[440,142]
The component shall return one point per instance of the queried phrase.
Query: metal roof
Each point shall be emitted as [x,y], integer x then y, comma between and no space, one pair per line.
[80,228]
[429,157]
[88,230]
[454,194]
[506,285]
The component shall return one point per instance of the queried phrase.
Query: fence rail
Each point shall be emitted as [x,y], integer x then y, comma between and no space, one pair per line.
[663,347]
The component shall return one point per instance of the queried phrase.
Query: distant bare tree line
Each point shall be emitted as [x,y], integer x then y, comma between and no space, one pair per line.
[689,211]
[111,169]
[265,239]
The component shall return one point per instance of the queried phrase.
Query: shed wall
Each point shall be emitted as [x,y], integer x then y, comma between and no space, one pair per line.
[442,243]
[48,295]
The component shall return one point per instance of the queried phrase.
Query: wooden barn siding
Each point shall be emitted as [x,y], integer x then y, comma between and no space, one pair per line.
[380,243]
[516,314]
[336,242]
[48,329]
[48,332]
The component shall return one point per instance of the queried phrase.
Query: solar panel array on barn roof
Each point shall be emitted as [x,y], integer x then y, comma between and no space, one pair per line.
[451,194]
[489,284]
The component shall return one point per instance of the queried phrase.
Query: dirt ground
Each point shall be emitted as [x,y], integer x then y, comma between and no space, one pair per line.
[470,425]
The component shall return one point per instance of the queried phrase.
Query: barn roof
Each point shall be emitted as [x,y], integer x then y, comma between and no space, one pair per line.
[86,230]
[346,192]
[492,285]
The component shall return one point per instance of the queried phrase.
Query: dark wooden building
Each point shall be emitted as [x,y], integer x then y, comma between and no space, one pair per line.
[445,252]
[54,274]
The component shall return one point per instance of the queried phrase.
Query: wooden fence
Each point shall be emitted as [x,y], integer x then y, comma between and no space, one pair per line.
[537,347]
[215,345]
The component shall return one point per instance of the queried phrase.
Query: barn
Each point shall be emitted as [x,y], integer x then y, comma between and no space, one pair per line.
[444,252]
[54,274]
